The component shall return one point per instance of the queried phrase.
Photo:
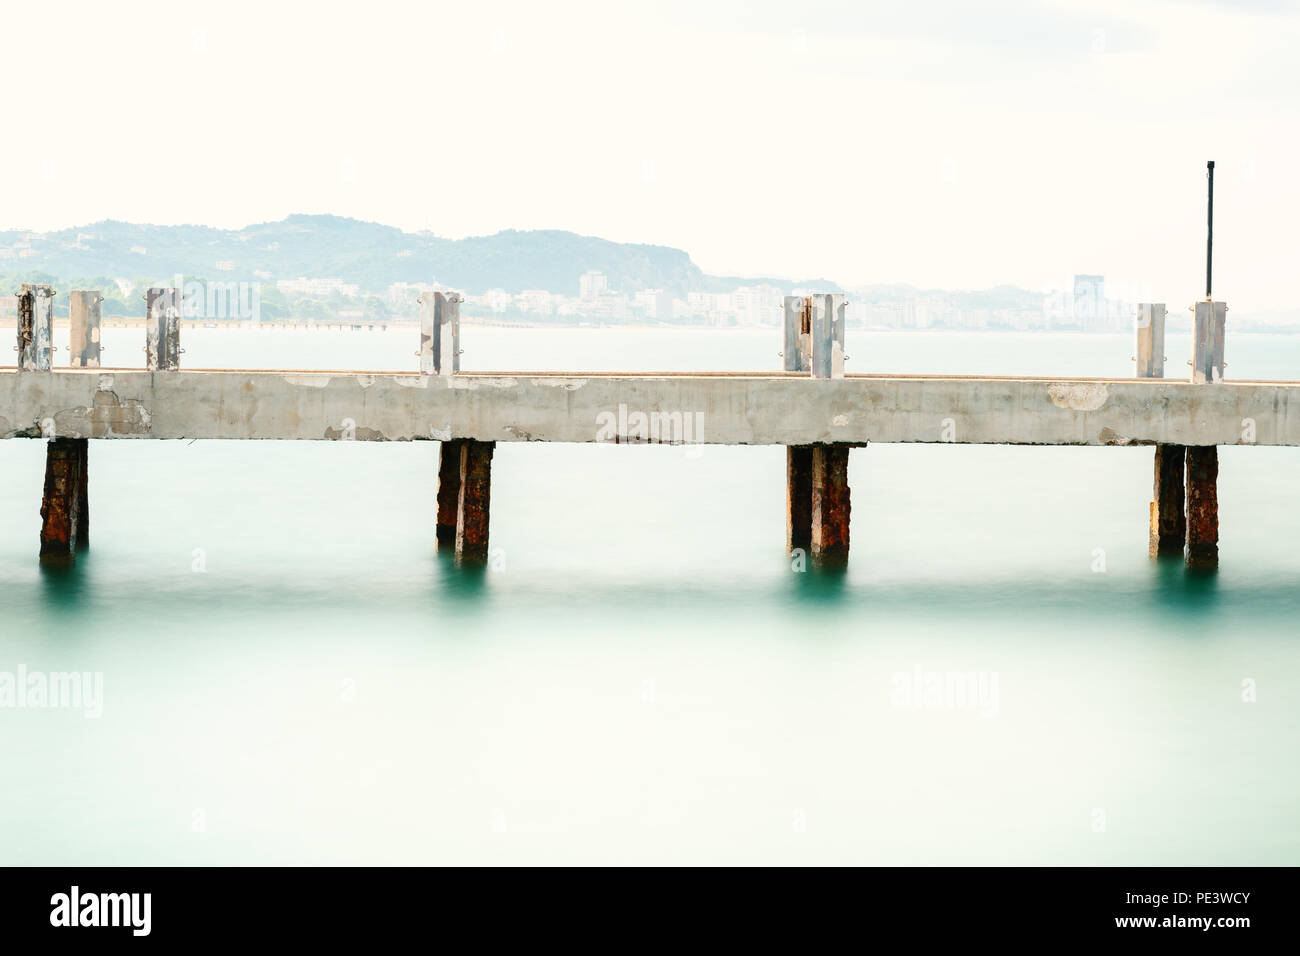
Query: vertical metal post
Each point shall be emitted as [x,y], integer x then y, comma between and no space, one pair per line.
[84,318]
[1209,230]
[162,329]
[35,327]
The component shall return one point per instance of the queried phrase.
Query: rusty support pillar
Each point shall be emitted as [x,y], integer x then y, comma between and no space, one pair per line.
[162,329]
[449,456]
[1168,524]
[830,505]
[35,327]
[84,317]
[1202,506]
[798,497]
[61,507]
[473,514]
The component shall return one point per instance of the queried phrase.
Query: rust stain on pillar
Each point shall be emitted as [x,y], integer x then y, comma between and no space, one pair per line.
[1168,525]
[65,470]
[474,513]
[798,497]
[830,505]
[1202,506]
[449,455]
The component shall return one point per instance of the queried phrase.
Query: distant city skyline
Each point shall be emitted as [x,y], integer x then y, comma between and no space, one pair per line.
[881,142]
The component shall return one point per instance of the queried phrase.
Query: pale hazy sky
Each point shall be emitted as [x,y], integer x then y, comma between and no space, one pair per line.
[949,144]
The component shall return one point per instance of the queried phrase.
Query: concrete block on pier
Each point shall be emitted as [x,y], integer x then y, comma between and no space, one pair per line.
[1207,342]
[439,333]
[84,315]
[35,327]
[162,329]
[797,348]
[1149,354]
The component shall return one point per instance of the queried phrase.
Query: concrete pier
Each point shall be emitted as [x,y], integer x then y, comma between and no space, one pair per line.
[64,514]
[474,511]
[449,464]
[830,506]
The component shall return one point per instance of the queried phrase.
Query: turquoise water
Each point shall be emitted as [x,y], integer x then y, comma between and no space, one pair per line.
[291,674]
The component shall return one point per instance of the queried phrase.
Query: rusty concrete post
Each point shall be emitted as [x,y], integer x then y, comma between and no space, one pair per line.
[162,329]
[84,317]
[798,497]
[35,327]
[1202,507]
[828,336]
[449,464]
[473,514]
[61,518]
[1167,528]
[830,506]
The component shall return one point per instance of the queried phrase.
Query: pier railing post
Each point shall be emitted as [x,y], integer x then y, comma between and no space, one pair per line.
[84,317]
[1168,524]
[162,329]
[439,333]
[1208,333]
[828,336]
[35,327]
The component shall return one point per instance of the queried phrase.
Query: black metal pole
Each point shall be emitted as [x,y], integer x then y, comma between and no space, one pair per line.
[1209,231]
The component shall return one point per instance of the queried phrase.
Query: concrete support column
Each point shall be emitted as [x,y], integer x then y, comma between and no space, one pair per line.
[830,505]
[62,516]
[473,515]
[449,464]
[798,497]
[1202,506]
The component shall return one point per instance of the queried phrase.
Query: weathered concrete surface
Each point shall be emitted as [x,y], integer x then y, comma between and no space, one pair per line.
[162,329]
[757,409]
[1149,354]
[1203,507]
[473,515]
[35,327]
[1168,524]
[61,514]
[84,313]
[798,497]
[449,465]
[830,506]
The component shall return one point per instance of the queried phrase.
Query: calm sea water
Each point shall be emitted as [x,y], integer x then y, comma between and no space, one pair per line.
[291,674]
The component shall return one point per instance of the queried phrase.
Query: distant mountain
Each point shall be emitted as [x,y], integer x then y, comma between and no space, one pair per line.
[367,254]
